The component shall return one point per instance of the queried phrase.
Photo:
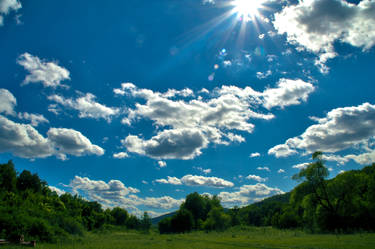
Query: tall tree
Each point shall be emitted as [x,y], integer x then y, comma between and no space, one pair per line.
[8,177]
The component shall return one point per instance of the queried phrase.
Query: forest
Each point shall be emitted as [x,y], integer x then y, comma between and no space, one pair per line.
[343,204]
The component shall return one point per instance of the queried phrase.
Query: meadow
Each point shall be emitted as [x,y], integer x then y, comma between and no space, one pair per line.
[236,237]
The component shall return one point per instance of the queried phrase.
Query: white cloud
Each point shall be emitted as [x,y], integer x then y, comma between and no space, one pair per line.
[264,168]
[7,102]
[72,142]
[341,129]
[171,180]
[162,164]
[205,171]
[48,73]
[120,155]
[25,141]
[185,127]
[194,180]
[281,150]
[255,154]
[35,119]
[115,193]
[364,158]
[248,194]
[7,6]
[164,202]
[316,25]
[87,106]
[288,92]
[57,190]
[281,171]
[169,144]
[300,166]
[256,178]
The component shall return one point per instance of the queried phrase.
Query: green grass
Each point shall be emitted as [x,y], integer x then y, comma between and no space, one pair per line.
[239,237]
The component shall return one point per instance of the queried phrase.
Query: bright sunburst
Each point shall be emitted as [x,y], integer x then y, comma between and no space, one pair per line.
[247,9]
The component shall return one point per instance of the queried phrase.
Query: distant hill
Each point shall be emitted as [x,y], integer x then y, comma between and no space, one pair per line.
[156,220]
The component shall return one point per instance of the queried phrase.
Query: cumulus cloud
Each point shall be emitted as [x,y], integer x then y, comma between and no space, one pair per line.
[256,178]
[72,142]
[25,141]
[171,180]
[300,166]
[194,180]
[115,193]
[248,194]
[48,73]
[191,125]
[169,144]
[281,150]
[35,119]
[162,164]
[315,25]
[57,190]
[281,171]
[288,92]
[255,154]
[120,155]
[341,129]
[86,106]
[7,102]
[7,6]
[205,171]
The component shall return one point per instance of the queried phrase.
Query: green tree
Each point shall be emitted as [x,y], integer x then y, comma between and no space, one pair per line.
[145,222]
[119,215]
[217,220]
[29,181]
[8,177]
[182,221]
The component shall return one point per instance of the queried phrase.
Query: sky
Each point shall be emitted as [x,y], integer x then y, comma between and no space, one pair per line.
[138,103]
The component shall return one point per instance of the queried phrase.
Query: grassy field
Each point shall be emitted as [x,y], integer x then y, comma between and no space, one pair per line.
[247,237]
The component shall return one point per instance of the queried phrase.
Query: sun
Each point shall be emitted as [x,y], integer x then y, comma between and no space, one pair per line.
[247,9]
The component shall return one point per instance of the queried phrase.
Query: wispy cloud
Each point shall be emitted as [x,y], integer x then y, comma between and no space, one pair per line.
[50,74]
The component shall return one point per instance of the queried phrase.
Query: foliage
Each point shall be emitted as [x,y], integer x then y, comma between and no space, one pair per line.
[196,212]
[235,237]
[29,208]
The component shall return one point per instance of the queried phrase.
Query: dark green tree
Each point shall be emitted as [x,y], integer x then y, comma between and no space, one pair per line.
[119,215]
[145,223]
[8,177]
[182,221]
[29,181]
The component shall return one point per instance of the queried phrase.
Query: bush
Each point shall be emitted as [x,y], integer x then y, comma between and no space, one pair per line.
[71,226]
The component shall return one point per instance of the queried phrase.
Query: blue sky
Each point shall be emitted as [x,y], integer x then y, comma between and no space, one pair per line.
[138,103]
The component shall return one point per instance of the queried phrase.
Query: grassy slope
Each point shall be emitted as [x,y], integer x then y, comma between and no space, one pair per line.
[248,237]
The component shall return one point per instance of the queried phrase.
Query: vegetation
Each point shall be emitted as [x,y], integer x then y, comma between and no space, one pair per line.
[28,207]
[343,204]
[234,237]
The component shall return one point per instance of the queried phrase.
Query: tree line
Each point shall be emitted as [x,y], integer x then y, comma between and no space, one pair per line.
[345,203]
[29,208]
